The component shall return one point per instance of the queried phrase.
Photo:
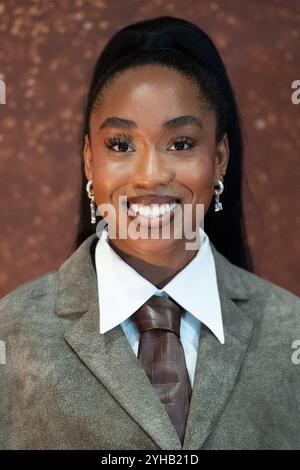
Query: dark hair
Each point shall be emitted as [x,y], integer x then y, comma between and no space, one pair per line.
[179,44]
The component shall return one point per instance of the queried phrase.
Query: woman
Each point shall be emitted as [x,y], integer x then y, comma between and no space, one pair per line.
[141,341]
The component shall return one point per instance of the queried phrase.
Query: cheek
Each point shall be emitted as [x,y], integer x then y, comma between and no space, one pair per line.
[198,178]
[106,179]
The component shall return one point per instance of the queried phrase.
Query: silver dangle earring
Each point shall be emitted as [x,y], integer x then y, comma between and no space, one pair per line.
[90,191]
[218,191]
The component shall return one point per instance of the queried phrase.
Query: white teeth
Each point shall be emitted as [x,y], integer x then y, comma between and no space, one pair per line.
[155,210]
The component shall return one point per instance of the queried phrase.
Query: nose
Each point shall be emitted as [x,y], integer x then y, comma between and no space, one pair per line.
[152,170]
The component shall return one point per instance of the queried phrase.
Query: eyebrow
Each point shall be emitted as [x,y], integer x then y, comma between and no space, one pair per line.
[170,124]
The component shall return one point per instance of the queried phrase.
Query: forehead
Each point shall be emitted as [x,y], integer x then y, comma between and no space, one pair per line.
[148,85]
[150,94]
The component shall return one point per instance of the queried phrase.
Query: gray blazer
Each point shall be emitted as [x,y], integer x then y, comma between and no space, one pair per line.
[65,386]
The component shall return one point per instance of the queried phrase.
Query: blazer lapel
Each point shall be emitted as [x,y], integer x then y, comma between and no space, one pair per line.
[218,365]
[109,356]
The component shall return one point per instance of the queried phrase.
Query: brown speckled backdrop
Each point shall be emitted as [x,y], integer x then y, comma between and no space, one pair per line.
[47,49]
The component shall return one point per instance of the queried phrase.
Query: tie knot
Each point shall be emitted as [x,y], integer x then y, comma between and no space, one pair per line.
[158,313]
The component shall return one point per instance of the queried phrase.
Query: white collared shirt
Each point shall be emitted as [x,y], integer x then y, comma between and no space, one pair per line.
[122,291]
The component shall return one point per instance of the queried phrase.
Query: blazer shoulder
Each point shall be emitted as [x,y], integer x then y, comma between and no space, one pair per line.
[266,299]
[276,308]
[261,286]
[27,300]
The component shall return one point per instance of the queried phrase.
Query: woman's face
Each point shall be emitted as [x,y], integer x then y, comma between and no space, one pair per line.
[172,162]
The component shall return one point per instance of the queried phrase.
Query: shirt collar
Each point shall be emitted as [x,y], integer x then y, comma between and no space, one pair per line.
[122,290]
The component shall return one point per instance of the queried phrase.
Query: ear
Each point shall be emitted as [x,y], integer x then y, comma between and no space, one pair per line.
[88,159]
[222,157]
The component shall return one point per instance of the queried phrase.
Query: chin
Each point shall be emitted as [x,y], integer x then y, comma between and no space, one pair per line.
[154,246]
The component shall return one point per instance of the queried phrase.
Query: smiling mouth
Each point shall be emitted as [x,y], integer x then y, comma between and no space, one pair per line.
[152,215]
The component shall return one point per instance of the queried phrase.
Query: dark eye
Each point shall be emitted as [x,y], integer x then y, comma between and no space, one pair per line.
[182,140]
[122,141]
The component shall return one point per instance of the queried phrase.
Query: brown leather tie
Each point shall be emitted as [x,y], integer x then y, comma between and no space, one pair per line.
[162,356]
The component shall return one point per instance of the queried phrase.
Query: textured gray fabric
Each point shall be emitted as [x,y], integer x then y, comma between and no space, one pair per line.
[65,386]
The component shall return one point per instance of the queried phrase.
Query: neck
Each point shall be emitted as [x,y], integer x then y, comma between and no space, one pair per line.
[157,272]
